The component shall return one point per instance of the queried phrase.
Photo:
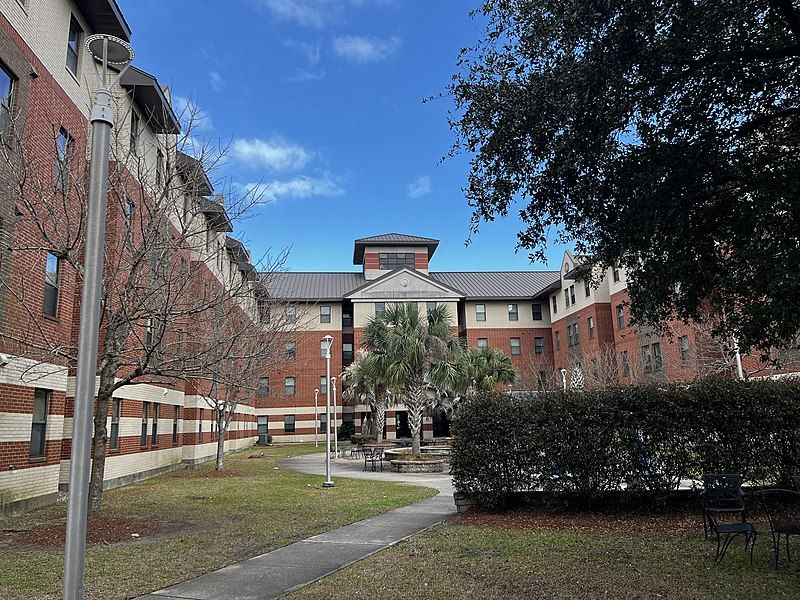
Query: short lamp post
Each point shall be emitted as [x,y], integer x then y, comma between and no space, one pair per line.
[328,482]
[564,378]
[106,51]
[316,417]
[335,422]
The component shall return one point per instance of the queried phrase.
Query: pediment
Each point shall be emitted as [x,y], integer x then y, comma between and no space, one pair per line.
[404,284]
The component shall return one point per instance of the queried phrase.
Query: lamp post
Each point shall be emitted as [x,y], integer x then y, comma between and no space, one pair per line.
[328,482]
[564,378]
[335,423]
[316,417]
[108,51]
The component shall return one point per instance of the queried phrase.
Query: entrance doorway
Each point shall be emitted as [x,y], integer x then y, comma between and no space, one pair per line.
[401,421]
[441,423]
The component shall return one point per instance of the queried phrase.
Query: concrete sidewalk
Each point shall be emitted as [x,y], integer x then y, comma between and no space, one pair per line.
[282,571]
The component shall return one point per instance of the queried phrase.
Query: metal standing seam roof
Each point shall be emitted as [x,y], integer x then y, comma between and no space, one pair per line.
[392,239]
[499,284]
[476,285]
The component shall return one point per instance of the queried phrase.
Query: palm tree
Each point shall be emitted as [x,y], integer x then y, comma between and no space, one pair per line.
[416,354]
[367,384]
[481,369]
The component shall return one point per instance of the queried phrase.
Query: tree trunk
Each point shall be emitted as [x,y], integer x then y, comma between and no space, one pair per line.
[99,451]
[222,432]
[414,406]
[380,419]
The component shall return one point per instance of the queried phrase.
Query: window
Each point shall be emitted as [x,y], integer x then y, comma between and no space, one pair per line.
[323,421]
[74,45]
[200,423]
[543,380]
[51,284]
[324,314]
[6,98]
[513,312]
[515,347]
[323,385]
[686,356]
[347,320]
[159,169]
[263,386]
[480,312]
[626,364]
[590,327]
[380,308]
[587,287]
[288,423]
[116,409]
[566,297]
[134,138]
[573,338]
[558,340]
[555,304]
[291,314]
[264,310]
[145,411]
[615,274]
[388,261]
[289,386]
[347,351]
[536,312]
[430,306]
[658,359]
[41,401]
[175,415]
[148,333]
[290,350]
[483,343]
[63,153]
[538,344]
[620,316]
[572,294]
[154,431]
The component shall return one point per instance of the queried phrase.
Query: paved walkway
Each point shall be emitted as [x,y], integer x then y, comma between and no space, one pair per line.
[282,571]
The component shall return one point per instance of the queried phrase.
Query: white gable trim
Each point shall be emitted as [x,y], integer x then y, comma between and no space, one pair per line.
[405,284]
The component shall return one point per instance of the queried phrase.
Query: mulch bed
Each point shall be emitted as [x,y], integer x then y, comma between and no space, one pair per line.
[628,522]
[102,529]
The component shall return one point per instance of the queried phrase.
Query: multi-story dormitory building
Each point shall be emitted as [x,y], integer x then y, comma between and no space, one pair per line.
[550,323]
[46,88]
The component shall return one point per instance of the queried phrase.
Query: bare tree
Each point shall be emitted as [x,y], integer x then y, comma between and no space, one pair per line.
[166,231]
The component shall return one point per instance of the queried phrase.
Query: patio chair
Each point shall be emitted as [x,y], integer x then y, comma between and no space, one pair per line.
[783,511]
[725,532]
[723,494]
[372,457]
[796,483]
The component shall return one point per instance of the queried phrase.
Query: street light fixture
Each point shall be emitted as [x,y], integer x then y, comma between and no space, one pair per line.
[328,482]
[564,378]
[316,417]
[108,51]
[335,422]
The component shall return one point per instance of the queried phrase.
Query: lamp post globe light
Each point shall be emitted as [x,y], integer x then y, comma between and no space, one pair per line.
[107,51]
[335,422]
[329,342]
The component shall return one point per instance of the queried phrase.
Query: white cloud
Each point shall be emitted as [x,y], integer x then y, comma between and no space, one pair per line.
[311,52]
[419,187]
[314,14]
[275,153]
[366,49]
[302,186]
[216,81]
[301,75]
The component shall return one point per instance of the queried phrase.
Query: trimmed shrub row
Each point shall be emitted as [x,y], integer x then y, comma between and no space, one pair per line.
[596,443]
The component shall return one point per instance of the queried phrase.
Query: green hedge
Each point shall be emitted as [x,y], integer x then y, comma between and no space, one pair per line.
[596,443]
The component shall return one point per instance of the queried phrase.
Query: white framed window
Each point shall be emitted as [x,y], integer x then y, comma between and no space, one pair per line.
[516,349]
[513,312]
[52,283]
[483,343]
[480,312]
[41,406]
[74,45]
[324,314]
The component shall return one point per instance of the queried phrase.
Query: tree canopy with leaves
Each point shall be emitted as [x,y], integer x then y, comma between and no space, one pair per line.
[663,134]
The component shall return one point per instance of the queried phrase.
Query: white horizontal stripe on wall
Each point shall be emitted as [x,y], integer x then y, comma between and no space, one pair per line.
[16,427]
[30,373]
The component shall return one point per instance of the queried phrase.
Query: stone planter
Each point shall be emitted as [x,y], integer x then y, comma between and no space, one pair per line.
[417,466]
[396,453]
[462,502]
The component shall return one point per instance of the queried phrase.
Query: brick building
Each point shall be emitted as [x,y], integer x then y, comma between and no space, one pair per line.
[46,89]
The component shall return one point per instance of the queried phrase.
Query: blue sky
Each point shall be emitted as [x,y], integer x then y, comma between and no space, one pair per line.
[321,100]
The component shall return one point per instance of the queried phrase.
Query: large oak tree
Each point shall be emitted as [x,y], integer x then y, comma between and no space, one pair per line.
[664,134]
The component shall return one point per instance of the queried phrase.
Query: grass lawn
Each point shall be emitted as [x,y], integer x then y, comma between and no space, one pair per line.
[192,523]
[468,558]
